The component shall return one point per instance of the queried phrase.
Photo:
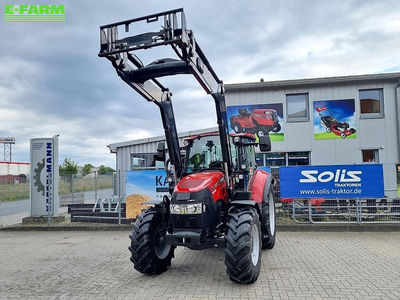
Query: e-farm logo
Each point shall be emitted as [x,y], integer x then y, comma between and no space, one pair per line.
[34,13]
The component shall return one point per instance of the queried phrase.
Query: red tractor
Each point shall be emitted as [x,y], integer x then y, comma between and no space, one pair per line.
[259,121]
[218,197]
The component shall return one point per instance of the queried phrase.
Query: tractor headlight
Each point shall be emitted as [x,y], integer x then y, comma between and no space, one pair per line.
[175,209]
[186,209]
[192,208]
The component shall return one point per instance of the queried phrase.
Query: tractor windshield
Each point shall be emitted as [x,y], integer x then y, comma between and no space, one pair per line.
[205,153]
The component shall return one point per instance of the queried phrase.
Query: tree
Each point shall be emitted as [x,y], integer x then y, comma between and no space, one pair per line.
[103,170]
[68,167]
[87,168]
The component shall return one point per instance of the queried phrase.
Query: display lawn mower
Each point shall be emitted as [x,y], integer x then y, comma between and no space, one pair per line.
[332,125]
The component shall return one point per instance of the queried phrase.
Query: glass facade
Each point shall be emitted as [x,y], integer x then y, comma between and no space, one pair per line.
[278,159]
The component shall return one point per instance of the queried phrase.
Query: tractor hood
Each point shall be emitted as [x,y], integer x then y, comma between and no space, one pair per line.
[198,181]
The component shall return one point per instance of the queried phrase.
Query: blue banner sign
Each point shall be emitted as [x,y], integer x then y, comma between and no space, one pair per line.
[151,183]
[339,181]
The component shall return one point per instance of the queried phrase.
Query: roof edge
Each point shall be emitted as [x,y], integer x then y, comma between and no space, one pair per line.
[317,80]
[113,147]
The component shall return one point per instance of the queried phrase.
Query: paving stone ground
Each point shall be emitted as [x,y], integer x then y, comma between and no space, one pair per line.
[303,265]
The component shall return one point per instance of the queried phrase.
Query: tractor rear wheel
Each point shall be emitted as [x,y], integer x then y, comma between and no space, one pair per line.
[150,252]
[268,221]
[243,245]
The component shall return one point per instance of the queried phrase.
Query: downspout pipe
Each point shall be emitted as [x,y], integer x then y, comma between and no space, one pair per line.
[397,99]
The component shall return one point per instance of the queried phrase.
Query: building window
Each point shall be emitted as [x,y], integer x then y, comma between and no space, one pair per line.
[371,103]
[145,160]
[299,158]
[370,156]
[297,107]
[276,159]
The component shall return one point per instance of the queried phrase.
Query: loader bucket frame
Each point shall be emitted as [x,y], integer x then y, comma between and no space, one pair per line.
[144,79]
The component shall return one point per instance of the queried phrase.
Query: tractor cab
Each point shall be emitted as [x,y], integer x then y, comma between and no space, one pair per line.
[203,152]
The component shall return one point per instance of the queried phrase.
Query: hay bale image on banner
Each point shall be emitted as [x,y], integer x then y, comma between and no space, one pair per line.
[259,119]
[334,119]
[142,186]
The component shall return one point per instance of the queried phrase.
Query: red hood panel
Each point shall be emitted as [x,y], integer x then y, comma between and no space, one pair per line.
[198,181]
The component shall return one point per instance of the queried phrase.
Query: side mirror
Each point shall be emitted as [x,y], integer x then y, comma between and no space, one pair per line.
[265,143]
[160,155]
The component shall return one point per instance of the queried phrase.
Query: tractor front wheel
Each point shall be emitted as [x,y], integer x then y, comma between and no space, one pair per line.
[150,252]
[243,245]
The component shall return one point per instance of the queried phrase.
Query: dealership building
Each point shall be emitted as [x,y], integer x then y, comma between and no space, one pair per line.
[319,121]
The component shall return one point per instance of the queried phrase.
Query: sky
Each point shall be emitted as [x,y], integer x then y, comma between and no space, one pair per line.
[52,81]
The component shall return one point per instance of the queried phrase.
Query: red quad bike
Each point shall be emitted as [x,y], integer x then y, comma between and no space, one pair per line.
[218,197]
[259,121]
[332,125]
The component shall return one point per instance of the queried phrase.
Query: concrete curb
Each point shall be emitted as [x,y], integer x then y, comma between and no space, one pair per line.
[282,228]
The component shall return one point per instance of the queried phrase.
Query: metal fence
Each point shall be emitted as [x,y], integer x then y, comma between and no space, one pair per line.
[337,211]
[77,189]
[14,190]
[72,188]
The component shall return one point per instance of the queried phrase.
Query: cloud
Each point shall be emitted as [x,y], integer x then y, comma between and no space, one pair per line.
[52,82]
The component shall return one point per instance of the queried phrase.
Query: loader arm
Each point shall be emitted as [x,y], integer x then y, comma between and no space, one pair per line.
[144,79]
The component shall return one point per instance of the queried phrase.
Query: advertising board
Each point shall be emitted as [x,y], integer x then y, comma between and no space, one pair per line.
[338,181]
[44,177]
[150,183]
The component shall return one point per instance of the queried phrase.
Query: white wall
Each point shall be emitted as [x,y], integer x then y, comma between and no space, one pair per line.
[7,168]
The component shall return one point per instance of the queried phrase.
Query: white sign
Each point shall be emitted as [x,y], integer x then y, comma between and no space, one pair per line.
[44,177]
[7,140]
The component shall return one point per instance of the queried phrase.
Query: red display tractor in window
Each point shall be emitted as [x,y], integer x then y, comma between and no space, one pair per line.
[259,121]
[332,125]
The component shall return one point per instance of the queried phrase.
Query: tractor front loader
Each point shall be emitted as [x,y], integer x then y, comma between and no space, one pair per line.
[218,197]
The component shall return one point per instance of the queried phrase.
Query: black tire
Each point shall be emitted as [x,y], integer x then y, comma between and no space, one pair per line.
[260,132]
[237,128]
[328,129]
[268,221]
[277,127]
[343,135]
[242,251]
[150,253]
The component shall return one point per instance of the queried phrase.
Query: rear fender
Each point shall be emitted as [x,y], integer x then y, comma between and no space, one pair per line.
[259,185]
